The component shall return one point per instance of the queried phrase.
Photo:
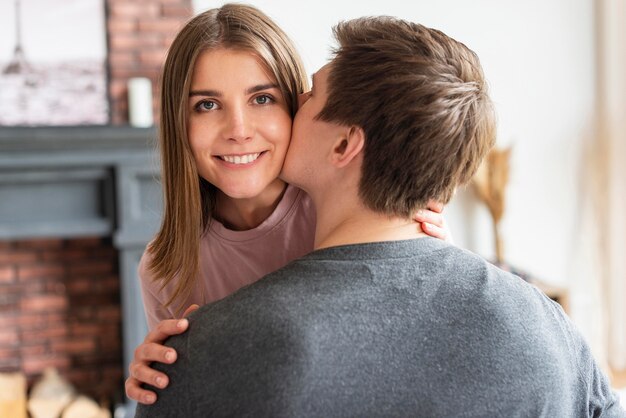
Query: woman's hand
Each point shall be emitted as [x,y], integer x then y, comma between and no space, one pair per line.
[152,349]
[432,221]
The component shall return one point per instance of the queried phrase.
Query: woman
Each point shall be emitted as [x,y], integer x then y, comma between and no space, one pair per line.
[229,93]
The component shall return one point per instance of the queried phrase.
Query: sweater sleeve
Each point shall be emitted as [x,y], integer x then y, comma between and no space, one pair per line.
[595,386]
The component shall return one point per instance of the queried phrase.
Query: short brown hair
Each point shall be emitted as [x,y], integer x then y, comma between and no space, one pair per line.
[189,200]
[421,99]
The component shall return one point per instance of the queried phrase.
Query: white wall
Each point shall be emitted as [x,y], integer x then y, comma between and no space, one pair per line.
[539,59]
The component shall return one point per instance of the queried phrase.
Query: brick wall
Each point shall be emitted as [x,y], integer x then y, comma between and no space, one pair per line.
[60,306]
[139,33]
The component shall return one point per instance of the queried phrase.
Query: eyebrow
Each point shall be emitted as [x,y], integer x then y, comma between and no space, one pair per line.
[250,90]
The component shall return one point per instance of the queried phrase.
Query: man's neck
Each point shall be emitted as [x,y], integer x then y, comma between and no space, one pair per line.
[354,224]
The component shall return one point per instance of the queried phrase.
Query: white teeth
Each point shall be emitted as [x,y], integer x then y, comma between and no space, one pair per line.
[241,159]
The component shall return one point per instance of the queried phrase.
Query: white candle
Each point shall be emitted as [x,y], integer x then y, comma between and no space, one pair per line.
[140,102]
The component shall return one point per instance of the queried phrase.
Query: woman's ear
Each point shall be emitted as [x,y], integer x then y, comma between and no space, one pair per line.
[348,146]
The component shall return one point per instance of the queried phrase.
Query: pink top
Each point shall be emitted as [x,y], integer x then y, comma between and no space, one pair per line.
[230,260]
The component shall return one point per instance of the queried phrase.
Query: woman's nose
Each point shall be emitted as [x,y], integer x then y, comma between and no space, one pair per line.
[239,126]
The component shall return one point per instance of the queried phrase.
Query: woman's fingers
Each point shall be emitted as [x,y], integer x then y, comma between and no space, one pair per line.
[434,231]
[141,373]
[167,328]
[136,392]
[153,350]
[190,309]
[149,352]
[430,217]
[144,374]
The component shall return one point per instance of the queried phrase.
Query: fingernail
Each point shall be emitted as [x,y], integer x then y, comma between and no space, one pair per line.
[182,323]
[420,212]
[160,382]
[169,356]
[149,399]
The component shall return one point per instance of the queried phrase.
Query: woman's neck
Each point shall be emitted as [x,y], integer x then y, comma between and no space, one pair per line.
[248,213]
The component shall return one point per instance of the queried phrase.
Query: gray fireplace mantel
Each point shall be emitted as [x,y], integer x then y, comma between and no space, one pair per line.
[85,181]
[79,181]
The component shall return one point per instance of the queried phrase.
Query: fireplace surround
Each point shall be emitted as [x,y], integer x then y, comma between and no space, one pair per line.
[65,192]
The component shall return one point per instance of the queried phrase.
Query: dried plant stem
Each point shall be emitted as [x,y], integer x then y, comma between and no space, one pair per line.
[490,184]
[499,244]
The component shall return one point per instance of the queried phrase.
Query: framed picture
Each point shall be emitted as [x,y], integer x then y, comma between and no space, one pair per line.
[53,63]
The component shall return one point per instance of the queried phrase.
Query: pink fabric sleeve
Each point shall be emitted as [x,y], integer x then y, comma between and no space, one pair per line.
[153,306]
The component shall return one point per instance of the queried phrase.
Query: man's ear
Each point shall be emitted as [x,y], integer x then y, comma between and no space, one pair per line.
[348,146]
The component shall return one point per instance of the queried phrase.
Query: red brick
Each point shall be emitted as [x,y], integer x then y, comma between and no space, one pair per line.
[82,313]
[85,329]
[10,365]
[8,353]
[167,41]
[74,346]
[43,335]
[132,42]
[182,2]
[106,253]
[41,320]
[36,321]
[43,303]
[86,242]
[92,268]
[112,373]
[33,365]
[41,272]
[6,245]
[9,303]
[109,313]
[8,319]
[82,379]
[109,284]
[55,288]
[110,345]
[125,59]
[177,10]
[39,244]
[38,350]
[94,301]
[161,25]
[124,9]
[153,58]
[18,256]
[9,337]
[126,73]
[64,255]
[118,117]
[118,88]
[121,24]
[79,286]
[36,287]
[90,360]
[7,274]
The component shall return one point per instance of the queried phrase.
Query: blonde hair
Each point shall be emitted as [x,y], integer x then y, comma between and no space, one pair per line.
[189,200]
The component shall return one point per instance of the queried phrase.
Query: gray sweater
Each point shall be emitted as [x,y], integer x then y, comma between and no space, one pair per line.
[405,328]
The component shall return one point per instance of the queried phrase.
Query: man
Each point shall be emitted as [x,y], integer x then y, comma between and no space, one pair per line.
[380,320]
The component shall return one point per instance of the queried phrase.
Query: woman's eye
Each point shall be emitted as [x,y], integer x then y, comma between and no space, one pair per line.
[205,105]
[263,99]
